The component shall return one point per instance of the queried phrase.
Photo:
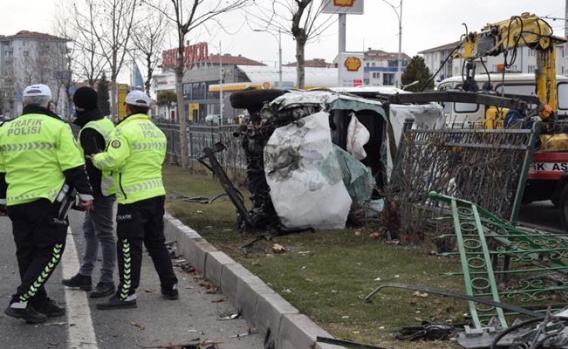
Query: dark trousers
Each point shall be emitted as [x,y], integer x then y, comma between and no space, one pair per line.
[140,223]
[40,241]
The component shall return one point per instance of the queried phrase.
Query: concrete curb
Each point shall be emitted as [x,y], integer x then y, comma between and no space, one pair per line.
[263,308]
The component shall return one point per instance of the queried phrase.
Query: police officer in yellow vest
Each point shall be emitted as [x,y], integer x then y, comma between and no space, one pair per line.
[39,163]
[98,224]
[135,154]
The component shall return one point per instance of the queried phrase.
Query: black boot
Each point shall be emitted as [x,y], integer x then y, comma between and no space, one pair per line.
[28,313]
[103,289]
[51,309]
[170,293]
[81,281]
[115,302]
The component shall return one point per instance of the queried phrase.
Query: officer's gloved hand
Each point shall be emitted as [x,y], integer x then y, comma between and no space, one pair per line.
[3,211]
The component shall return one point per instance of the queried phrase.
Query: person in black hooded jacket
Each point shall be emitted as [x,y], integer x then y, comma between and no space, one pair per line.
[98,224]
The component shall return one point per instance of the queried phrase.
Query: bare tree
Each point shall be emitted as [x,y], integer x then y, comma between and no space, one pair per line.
[301,19]
[196,13]
[8,82]
[64,74]
[88,63]
[110,23]
[63,77]
[148,39]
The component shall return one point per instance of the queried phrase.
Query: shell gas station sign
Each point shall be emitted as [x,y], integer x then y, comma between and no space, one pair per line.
[350,69]
[350,7]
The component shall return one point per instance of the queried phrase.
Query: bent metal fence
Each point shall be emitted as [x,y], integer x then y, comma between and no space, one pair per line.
[487,167]
[200,137]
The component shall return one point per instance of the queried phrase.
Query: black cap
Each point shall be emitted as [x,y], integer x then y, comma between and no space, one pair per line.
[86,98]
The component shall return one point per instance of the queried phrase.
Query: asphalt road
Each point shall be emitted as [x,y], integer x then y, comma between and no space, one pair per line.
[542,214]
[156,323]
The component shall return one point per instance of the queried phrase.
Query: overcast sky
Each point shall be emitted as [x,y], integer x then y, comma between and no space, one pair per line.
[425,24]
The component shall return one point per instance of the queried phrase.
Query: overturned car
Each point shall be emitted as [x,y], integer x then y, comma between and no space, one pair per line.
[312,156]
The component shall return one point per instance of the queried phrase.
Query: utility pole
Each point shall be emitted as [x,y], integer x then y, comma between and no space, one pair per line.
[280,58]
[221,76]
[279,39]
[399,66]
[399,58]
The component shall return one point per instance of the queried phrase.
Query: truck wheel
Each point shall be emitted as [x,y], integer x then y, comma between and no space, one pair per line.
[564,206]
[555,201]
[252,100]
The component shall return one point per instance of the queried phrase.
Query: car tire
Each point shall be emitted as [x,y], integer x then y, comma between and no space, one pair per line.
[252,100]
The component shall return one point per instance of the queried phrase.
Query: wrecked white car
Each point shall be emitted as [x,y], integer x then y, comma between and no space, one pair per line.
[303,151]
[312,156]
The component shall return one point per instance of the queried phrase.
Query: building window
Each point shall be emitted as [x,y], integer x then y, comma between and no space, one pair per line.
[198,91]
[187,91]
[530,69]
[388,79]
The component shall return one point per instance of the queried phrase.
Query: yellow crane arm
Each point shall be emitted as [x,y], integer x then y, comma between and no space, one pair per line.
[525,30]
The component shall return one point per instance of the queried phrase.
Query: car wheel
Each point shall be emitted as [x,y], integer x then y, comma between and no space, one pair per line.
[252,100]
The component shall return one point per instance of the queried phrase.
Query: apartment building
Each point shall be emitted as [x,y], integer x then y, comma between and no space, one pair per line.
[440,62]
[29,58]
[380,67]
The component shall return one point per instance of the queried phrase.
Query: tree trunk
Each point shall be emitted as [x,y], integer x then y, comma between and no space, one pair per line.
[113,105]
[301,61]
[182,119]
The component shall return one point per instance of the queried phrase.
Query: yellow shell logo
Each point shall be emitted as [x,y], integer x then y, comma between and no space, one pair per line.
[343,3]
[352,63]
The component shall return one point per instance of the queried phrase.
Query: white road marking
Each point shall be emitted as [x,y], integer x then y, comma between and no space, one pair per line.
[80,330]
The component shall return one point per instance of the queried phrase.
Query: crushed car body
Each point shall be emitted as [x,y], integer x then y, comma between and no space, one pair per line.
[296,144]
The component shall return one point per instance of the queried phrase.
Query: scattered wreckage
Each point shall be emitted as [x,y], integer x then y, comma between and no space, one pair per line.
[294,146]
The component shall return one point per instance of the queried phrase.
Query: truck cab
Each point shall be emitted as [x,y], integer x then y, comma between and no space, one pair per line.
[509,84]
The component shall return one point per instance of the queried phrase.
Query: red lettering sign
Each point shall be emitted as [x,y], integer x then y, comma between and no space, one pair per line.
[191,54]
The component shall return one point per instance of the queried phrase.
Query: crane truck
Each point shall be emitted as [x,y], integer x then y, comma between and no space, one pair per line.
[548,176]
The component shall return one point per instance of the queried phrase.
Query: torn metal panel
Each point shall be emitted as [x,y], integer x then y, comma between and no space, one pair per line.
[423,117]
[328,101]
[357,177]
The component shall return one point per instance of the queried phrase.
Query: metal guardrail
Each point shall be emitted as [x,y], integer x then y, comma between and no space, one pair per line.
[203,136]
[487,167]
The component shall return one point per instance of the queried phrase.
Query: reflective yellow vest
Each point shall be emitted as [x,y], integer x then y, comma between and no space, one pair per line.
[135,153]
[35,149]
[104,127]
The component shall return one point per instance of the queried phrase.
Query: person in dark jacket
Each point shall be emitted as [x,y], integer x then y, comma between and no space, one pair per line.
[98,223]
[40,169]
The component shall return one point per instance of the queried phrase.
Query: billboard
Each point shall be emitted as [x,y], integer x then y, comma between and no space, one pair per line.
[350,7]
[350,69]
